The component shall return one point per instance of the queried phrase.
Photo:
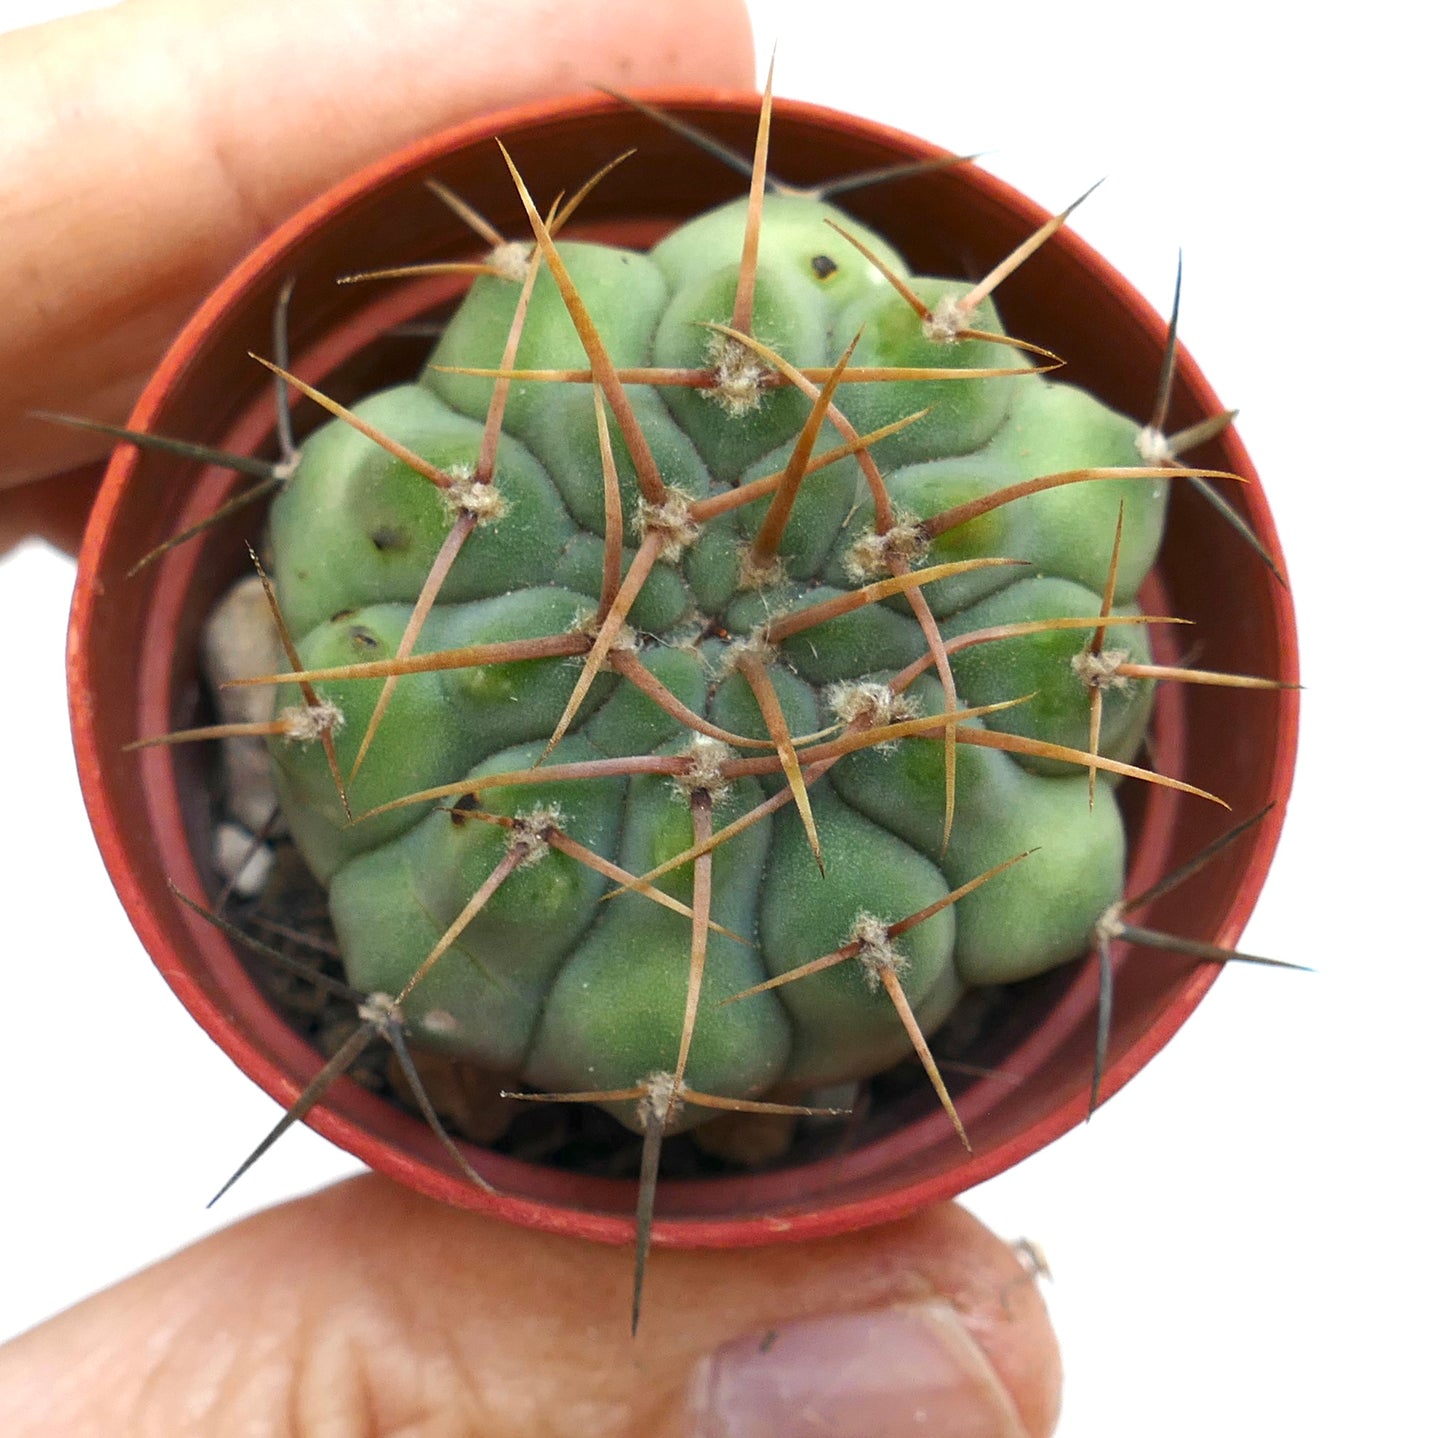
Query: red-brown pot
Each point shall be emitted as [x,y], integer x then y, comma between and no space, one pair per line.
[133,643]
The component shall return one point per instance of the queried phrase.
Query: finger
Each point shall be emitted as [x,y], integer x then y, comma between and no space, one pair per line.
[367,1308]
[151,144]
[54,508]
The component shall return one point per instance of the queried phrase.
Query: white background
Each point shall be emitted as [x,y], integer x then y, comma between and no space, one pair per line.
[1248,1238]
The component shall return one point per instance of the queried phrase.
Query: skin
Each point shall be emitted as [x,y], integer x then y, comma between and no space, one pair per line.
[369,1305]
[364,1308]
[226,118]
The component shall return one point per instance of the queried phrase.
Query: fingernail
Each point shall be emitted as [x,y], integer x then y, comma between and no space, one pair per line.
[912,1369]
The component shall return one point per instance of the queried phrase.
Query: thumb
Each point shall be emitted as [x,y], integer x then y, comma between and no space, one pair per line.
[367,1308]
[151,144]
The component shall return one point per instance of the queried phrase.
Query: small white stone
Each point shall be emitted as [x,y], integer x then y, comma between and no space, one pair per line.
[250,789]
[240,641]
[240,860]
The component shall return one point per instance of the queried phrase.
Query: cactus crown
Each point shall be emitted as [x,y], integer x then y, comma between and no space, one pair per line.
[716,664]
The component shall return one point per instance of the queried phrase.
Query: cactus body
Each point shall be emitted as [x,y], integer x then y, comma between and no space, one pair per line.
[551,980]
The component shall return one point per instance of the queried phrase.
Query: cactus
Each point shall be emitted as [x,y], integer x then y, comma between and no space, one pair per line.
[718,661]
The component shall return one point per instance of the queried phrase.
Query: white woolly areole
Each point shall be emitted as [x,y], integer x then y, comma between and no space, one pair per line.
[867,704]
[707,756]
[468,495]
[589,622]
[752,574]
[378,1009]
[673,520]
[661,1093]
[530,832]
[948,319]
[875,949]
[510,260]
[1153,445]
[874,554]
[1110,924]
[739,377]
[307,722]
[752,647]
[1101,671]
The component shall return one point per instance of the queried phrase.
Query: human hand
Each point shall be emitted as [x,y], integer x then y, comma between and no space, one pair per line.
[154,144]
[369,1309]
[150,145]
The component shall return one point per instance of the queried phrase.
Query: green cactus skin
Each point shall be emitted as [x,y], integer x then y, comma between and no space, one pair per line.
[571,991]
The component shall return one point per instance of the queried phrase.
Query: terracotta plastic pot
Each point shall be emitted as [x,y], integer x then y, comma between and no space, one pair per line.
[133,646]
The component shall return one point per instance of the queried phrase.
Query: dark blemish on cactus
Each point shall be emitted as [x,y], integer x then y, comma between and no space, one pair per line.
[362,638]
[466,804]
[387,539]
[823,267]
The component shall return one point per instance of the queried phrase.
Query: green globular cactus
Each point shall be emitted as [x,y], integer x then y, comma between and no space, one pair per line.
[702,594]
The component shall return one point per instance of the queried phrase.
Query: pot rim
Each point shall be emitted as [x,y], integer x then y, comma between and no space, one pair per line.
[872,1202]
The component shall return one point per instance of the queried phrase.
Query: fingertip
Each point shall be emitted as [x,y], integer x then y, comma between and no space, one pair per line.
[53,509]
[153,143]
[892,1372]
[939,1279]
